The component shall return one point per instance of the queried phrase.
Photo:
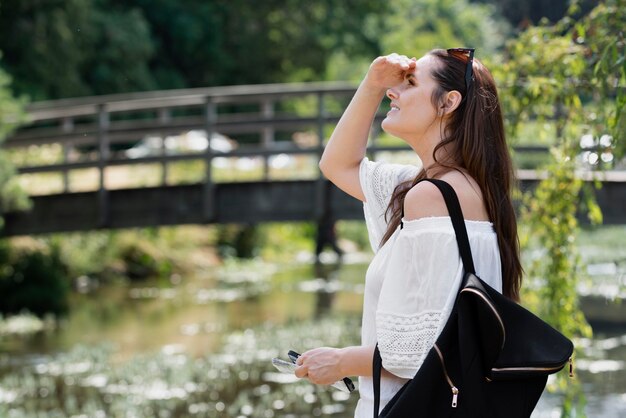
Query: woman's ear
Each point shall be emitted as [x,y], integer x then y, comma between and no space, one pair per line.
[450,102]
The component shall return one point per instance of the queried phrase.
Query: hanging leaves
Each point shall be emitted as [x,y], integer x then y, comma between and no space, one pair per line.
[573,73]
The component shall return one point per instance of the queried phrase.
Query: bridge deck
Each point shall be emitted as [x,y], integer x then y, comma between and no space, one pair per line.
[251,202]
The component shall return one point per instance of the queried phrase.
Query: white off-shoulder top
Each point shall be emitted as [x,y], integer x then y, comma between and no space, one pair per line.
[412,281]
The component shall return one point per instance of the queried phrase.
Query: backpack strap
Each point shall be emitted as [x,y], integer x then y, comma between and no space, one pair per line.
[465,251]
[376,372]
[458,222]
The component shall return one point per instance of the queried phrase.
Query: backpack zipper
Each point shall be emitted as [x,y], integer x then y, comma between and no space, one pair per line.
[521,369]
[493,308]
[455,390]
[500,369]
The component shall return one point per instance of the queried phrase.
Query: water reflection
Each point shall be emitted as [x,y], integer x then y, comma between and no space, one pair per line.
[326,293]
[202,347]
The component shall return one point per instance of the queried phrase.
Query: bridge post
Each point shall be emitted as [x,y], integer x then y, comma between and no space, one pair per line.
[374,133]
[323,213]
[164,119]
[103,157]
[267,111]
[320,196]
[67,127]
[208,198]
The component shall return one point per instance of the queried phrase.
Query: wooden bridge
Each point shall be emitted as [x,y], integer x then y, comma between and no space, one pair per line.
[146,168]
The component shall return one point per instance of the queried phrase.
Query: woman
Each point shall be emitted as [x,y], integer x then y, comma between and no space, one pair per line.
[445,106]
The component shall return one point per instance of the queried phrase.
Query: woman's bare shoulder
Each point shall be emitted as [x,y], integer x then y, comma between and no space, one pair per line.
[425,199]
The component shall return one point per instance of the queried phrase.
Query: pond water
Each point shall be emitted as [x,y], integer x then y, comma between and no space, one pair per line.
[201,346]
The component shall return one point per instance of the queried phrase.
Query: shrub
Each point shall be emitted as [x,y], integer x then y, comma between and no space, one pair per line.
[142,259]
[33,280]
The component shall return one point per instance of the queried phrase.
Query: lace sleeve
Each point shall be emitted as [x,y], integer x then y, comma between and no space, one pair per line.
[378,181]
[404,341]
[416,298]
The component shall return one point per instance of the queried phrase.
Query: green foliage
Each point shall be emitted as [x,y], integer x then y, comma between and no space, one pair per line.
[557,73]
[33,280]
[542,74]
[137,254]
[522,13]
[415,27]
[117,56]
[12,197]
[602,33]
[550,215]
[112,46]
[142,259]
[283,241]
[240,241]
[134,254]
[276,242]
[355,232]
[85,253]
[274,36]
[67,48]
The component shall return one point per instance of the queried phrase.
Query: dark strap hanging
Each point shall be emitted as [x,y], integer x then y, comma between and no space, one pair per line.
[458,223]
[378,367]
[465,251]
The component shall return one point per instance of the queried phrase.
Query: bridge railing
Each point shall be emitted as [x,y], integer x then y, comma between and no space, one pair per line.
[262,119]
[104,123]
[97,126]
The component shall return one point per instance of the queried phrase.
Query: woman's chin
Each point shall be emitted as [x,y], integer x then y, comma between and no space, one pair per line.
[387,125]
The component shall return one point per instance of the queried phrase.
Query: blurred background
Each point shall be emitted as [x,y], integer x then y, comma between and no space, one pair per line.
[166,230]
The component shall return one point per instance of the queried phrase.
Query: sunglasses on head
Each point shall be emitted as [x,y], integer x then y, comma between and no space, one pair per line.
[465,53]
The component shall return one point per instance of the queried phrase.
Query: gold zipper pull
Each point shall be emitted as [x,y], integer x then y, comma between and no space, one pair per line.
[571,367]
[455,396]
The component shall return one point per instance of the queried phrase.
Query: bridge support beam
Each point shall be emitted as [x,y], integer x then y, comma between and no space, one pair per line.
[253,202]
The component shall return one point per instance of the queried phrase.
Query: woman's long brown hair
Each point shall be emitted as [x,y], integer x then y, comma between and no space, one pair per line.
[475,139]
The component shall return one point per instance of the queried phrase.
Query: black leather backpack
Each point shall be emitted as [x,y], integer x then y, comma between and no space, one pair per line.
[491,360]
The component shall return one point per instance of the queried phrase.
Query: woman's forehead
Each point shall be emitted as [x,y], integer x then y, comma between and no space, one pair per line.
[424,66]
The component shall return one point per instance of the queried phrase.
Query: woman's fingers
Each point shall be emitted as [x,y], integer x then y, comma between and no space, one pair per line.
[390,70]
[319,365]
[398,59]
[301,371]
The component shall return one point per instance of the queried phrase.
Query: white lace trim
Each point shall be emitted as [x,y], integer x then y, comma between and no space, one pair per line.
[404,341]
[382,182]
[378,181]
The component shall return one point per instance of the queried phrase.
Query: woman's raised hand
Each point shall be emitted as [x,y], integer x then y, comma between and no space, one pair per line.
[390,70]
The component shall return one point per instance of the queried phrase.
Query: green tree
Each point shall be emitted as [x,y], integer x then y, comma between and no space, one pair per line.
[522,13]
[602,34]
[117,52]
[11,114]
[572,72]
[219,42]
[66,48]
[33,280]
[419,26]
[413,27]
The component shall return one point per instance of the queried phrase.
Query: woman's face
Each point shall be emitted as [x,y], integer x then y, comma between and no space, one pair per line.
[412,112]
